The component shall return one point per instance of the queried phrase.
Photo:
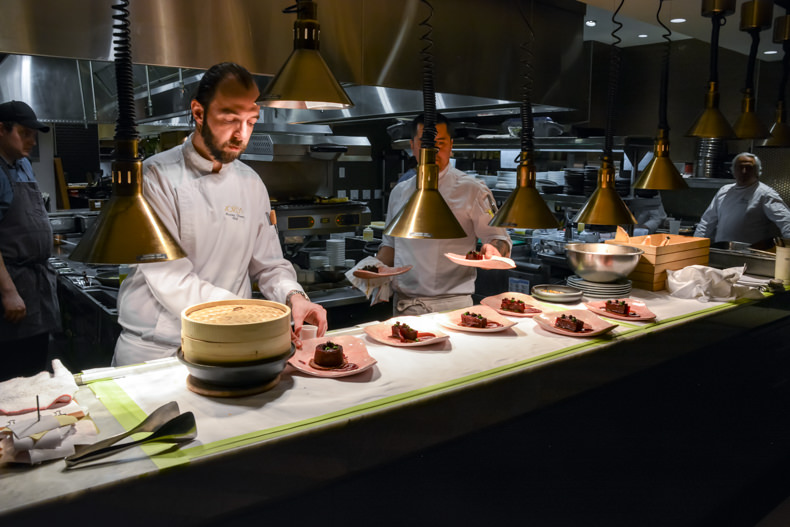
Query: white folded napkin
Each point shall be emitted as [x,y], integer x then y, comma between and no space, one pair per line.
[708,284]
[377,289]
[18,396]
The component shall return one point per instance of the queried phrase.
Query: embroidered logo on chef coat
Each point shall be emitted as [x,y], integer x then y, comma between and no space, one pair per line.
[234,211]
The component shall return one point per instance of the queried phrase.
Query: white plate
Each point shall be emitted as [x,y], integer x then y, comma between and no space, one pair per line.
[452,320]
[557,293]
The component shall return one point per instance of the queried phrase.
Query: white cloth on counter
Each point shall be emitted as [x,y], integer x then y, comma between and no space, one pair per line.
[708,284]
[222,220]
[377,289]
[434,274]
[18,395]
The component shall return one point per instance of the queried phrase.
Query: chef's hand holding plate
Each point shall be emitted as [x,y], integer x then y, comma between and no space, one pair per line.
[302,310]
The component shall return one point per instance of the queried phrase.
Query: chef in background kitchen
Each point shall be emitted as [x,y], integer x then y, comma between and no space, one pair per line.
[435,283]
[28,287]
[746,211]
[218,209]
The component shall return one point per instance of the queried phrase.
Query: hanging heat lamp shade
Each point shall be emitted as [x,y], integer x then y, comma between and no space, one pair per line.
[755,17]
[426,214]
[605,206]
[127,231]
[780,131]
[525,208]
[305,82]
[712,123]
[661,173]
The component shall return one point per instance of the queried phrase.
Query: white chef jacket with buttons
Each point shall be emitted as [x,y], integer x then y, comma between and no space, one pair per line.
[222,222]
[434,274]
[745,214]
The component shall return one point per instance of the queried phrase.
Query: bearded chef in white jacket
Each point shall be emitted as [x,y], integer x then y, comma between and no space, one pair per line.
[218,209]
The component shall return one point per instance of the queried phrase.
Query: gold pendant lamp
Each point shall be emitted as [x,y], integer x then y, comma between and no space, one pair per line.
[712,123]
[305,82]
[780,131]
[426,214]
[128,230]
[605,206]
[525,208]
[755,17]
[661,173]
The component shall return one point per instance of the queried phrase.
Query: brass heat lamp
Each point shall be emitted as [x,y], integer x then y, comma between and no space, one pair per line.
[128,231]
[755,17]
[605,206]
[426,214]
[305,82]
[712,123]
[661,173]
[780,131]
[525,208]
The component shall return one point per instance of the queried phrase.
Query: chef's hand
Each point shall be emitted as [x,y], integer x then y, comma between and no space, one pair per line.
[304,311]
[489,251]
[14,307]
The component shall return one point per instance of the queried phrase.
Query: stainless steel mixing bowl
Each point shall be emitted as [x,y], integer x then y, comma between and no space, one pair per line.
[602,262]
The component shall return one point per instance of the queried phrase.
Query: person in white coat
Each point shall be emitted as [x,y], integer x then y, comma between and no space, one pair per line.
[746,211]
[435,283]
[218,209]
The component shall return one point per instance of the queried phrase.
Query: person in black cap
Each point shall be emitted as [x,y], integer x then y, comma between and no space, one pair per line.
[27,281]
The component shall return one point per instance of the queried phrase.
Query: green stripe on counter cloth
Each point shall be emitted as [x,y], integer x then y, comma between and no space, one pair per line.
[129,414]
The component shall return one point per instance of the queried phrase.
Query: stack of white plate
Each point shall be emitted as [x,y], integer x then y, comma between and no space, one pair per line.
[336,251]
[506,179]
[556,176]
[619,289]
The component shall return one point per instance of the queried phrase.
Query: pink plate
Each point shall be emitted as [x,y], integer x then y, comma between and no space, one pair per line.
[452,320]
[384,272]
[496,301]
[495,262]
[353,348]
[591,321]
[381,332]
[639,311]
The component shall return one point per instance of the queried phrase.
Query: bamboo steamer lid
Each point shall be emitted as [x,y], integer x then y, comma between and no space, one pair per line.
[237,320]
[205,352]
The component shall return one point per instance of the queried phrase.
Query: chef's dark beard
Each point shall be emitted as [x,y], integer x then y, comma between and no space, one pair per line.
[216,150]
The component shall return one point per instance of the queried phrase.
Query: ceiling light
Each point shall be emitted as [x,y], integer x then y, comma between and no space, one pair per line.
[590,23]
[305,82]
[677,20]
[770,52]
[642,36]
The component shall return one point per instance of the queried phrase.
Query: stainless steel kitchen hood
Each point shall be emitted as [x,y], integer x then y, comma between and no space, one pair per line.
[296,147]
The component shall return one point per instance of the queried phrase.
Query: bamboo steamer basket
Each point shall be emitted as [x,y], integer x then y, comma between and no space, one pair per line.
[234,331]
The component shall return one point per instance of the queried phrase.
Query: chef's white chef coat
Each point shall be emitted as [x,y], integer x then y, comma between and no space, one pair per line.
[434,274]
[745,214]
[222,222]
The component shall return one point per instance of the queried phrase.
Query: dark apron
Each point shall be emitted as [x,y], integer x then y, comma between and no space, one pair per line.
[26,245]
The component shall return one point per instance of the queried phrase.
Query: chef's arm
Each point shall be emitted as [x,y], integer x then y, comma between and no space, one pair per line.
[386,255]
[14,308]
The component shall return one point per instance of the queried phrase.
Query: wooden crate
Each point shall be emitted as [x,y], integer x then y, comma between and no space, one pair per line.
[664,252]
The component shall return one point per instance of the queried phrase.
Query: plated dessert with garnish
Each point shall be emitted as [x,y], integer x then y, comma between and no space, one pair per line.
[573,323]
[513,304]
[480,318]
[406,332]
[622,309]
[338,356]
[371,272]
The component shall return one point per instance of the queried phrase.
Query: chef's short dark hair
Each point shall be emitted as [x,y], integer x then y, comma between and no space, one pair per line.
[420,120]
[207,87]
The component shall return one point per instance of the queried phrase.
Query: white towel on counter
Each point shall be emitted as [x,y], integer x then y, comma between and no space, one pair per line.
[708,284]
[18,395]
[377,289]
